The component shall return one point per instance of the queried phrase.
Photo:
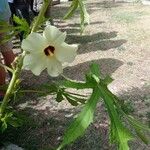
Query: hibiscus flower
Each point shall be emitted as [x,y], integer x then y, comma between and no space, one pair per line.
[47,51]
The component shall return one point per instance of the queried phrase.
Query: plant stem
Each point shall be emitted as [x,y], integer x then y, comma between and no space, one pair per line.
[11,86]
[6,67]
[41,14]
[19,63]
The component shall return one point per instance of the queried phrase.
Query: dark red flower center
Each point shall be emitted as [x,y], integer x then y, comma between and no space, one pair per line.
[49,51]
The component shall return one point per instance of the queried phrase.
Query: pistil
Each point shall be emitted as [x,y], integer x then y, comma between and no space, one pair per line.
[49,51]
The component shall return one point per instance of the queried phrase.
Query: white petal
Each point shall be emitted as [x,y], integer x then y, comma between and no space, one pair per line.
[52,34]
[66,52]
[54,67]
[27,60]
[34,42]
[35,63]
[60,39]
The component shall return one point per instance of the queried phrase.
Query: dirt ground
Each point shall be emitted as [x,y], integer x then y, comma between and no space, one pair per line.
[118,39]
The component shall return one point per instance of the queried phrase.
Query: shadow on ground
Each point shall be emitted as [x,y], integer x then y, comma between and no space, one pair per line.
[43,129]
[107,67]
[59,11]
[77,72]
[84,39]
[102,45]
[100,41]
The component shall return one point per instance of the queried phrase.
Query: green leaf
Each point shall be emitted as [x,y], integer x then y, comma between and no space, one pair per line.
[15,122]
[76,94]
[83,120]
[94,69]
[142,136]
[92,78]
[107,80]
[8,37]
[22,25]
[139,128]
[71,11]
[119,134]
[59,97]
[78,99]
[3,121]
[84,16]
[137,124]
[20,21]
[3,126]
[76,85]
[5,27]
[71,101]
[9,119]
[11,31]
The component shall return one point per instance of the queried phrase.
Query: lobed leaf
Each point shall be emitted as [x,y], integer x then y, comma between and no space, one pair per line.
[83,120]
[84,16]
[22,25]
[94,69]
[118,133]
[76,85]
[71,11]
[142,136]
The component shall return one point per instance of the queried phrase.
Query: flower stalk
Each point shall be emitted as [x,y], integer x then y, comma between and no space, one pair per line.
[19,62]
[41,14]
[11,86]
[6,67]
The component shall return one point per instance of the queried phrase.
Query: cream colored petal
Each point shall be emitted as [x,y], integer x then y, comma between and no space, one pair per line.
[35,63]
[27,60]
[53,34]
[54,67]
[35,42]
[66,52]
[60,39]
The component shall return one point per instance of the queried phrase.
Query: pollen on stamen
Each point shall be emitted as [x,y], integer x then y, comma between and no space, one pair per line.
[49,50]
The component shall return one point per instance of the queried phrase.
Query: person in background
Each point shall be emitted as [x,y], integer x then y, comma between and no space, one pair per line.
[12,8]
[22,9]
[31,3]
[5,48]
